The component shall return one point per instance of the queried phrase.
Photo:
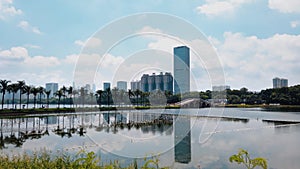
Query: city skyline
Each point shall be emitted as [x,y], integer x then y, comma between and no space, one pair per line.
[32,48]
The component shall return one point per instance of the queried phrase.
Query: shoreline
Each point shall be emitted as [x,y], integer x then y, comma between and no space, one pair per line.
[24,112]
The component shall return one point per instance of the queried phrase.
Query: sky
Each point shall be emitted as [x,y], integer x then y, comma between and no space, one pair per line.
[254,40]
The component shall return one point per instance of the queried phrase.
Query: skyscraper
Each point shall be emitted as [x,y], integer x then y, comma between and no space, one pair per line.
[278,83]
[181,69]
[122,85]
[53,87]
[284,82]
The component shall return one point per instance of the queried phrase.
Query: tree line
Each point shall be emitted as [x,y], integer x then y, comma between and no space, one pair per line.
[116,97]
[283,96]
[79,97]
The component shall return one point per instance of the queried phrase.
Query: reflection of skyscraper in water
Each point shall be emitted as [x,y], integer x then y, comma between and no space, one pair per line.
[182,139]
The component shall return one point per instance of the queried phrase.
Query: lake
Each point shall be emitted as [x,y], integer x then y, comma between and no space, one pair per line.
[182,138]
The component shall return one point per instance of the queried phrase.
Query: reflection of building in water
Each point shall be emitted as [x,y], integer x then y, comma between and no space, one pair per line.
[142,117]
[182,139]
[51,120]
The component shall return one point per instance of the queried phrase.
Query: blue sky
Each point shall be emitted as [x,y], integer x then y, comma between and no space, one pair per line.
[256,40]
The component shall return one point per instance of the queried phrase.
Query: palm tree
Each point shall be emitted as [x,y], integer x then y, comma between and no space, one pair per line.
[64,90]
[59,94]
[41,92]
[70,93]
[100,94]
[137,94]
[48,92]
[34,91]
[130,94]
[14,89]
[21,85]
[27,90]
[3,88]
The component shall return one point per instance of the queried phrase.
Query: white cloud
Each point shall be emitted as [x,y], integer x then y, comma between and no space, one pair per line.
[294,24]
[219,7]
[110,60]
[90,43]
[79,43]
[71,59]
[7,9]
[27,27]
[14,53]
[252,62]
[149,29]
[16,63]
[285,6]
[42,61]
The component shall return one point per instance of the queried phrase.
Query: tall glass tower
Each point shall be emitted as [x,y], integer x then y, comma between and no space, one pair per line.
[181,69]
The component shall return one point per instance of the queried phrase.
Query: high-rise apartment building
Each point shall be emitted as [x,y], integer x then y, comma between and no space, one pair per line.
[284,83]
[162,82]
[145,83]
[181,69]
[122,85]
[279,82]
[106,85]
[53,87]
[135,85]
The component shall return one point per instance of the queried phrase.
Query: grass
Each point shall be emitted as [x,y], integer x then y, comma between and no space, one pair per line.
[83,160]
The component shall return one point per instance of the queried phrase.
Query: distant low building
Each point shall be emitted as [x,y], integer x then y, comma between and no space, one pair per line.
[279,82]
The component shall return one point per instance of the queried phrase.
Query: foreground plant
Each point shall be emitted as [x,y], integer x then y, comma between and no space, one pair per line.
[243,157]
[82,160]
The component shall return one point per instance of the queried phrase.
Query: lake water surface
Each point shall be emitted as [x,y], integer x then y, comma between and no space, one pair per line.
[183,138]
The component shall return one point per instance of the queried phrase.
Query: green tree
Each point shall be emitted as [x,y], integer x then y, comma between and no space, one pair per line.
[48,92]
[34,91]
[14,89]
[27,91]
[99,94]
[70,92]
[64,90]
[21,85]
[41,93]
[3,88]
[59,94]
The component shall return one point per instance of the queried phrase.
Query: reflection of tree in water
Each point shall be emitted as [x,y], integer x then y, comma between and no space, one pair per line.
[16,131]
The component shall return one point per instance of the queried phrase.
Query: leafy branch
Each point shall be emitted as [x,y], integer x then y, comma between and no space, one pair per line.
[243,157]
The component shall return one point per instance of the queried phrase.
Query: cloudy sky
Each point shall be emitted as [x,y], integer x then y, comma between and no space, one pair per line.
[255,40]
